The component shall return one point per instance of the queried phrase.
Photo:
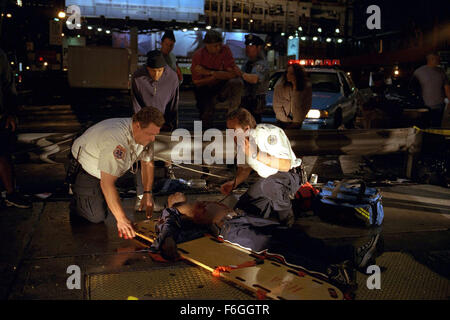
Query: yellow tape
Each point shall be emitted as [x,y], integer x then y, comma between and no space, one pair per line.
[442,132]
[132,298]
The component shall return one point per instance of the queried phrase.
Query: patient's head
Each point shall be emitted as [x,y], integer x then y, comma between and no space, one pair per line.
[176,198]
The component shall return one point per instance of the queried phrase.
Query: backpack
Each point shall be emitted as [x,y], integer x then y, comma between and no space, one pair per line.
[349,204]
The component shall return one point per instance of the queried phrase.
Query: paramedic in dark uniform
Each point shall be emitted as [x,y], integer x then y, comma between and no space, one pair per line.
[268,152]
[106,151]
[255,73]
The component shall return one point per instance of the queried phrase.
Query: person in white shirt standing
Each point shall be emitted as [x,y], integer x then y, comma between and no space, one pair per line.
[105,152]
[276,164]
[434,86]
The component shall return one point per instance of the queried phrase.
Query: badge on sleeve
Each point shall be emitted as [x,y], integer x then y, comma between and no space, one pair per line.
[119,152]
[272,139]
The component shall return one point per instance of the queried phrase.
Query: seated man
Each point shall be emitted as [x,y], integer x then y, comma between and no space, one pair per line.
[215,78]
[183,221]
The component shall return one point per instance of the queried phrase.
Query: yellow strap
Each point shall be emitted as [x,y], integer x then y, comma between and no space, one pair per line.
[362,212]
[443,132]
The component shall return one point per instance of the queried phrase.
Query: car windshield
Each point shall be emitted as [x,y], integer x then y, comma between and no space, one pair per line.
[324,81]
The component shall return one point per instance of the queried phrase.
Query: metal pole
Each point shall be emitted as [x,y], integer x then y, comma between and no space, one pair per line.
[224,13]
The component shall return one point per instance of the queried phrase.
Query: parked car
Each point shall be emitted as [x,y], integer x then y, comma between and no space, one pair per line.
[335,99]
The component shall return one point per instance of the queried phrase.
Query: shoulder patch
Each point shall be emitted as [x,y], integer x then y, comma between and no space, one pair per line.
[272,139]
[119,152]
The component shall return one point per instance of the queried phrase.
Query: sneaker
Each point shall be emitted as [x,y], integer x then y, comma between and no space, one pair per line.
[365,253]
[343,275]
[17,200]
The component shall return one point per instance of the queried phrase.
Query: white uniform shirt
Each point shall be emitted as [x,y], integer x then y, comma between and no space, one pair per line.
[109,146]
[272,140]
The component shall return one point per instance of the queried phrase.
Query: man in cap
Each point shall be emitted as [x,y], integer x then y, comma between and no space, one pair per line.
[167,44]
[156,85]
[215,78]
[105,152]
[255,73]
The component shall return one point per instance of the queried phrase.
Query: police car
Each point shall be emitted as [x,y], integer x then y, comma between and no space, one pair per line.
[335,99]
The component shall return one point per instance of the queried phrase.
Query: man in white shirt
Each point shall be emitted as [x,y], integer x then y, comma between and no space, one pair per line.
[276,164]
[106,151]
[435,87]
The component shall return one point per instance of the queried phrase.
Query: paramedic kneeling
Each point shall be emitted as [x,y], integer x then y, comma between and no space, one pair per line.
[107,151]
[275,163]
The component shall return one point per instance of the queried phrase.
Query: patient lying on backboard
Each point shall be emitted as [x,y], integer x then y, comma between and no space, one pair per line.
[183,221]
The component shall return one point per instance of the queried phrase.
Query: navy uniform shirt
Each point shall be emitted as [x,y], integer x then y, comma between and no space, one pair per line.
[260,68]
[162,94]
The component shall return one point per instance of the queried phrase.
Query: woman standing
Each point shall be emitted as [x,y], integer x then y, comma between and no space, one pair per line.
[292,97]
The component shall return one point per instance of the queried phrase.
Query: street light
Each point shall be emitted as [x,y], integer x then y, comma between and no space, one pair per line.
[340,40]
[337,30]
[89,28]
[283,34]
[315,38]
[9,15]
[196,29]
[291,37]
[208,27]
[328,39]
[108,32]
[319,30]
[300,28]
[184,30]
[99,29]
[61,14]
[303,38]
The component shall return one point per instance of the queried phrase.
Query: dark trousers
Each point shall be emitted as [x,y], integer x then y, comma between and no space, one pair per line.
[269,197]
[88,201]
[255,105]
[295,246]
[208,96]
[435,116]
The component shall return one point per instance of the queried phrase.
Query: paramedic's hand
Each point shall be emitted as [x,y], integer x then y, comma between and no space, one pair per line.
[125,228]
[147,202]
[227,187]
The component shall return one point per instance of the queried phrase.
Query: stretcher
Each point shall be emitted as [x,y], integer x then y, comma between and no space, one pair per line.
[265,277]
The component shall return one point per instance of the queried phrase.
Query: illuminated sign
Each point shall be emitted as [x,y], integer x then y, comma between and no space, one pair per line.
[316,62]
[179,10]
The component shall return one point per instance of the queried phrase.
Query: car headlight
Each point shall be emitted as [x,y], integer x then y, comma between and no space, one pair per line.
[317,114]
